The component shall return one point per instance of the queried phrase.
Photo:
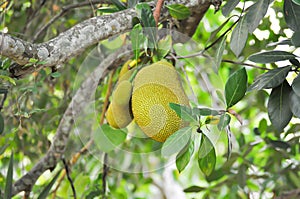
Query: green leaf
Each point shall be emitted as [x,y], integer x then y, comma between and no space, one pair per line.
[205,111]
[294,104]
[206,156]
[9,79]
[107,10]
[179,11]
[296,39]
[271,56]
[164,47]
[239,37]
[183,158]
[107,139]
[9,178]
[292,15]
[56,74]
[176,142]
[149,25]
[1,124]
[224,121]
[183,112]
[229,6]
[296,2]
[279,110]
[194,189]
[279,144]
[137,40]
[119,4]
[270,79]
[296,85]
[45,192]
[295,62]
[256,13]
[236,87]
[219,53]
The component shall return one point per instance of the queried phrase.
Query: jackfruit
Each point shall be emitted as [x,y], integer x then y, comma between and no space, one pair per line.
[118,114]
[154,87]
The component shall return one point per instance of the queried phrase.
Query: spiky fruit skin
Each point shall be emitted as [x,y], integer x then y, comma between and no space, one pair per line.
[154,87]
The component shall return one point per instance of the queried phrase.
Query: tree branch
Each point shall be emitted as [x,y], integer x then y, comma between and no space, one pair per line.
[80,99]
[81,36]
[63,11]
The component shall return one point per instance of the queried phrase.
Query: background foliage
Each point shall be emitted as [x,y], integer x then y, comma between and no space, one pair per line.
[248,73]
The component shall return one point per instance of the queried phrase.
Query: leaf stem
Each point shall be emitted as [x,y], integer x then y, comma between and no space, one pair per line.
[156,12]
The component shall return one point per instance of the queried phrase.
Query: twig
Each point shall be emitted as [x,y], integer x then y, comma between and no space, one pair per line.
[104,175]
[69,177]
[63,11]
[156,12]
[245,64]
[84,149]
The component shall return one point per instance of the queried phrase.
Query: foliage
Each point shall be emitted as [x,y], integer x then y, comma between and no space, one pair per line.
[243,73]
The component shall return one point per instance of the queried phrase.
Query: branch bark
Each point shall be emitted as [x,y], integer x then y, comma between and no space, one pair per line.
[83,35]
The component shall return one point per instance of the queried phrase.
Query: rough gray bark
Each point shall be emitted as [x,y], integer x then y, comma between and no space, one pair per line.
[65,46]
[75,40]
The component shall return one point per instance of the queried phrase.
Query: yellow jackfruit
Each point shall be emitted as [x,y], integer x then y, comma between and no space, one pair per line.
[154,87]
[118,114]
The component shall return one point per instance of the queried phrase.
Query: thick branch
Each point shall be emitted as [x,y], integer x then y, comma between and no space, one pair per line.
[75,40]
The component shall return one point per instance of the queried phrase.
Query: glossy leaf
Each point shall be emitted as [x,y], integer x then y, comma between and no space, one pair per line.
[107,138]
[206,156]
[295,62]
[296,38]
[179,11]
[176,142]
[119,4]
[183,112]
[164,47]
[219,53]
[45,192]
[183,158]
[194,189]
[239,37]
[224,121]
[1,124]
[271,56]
[279,110]
[205,111]
[296,85]
[270,79]
[292,15]
[149,25]
[9,178]
[137,39]
[229,6]
[296,2]
[256,13]
[294,104]
[236,87]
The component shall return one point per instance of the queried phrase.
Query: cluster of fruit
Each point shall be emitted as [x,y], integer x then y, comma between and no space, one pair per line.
[146,100]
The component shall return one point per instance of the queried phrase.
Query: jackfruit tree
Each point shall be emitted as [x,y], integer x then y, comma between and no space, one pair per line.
[150,99]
